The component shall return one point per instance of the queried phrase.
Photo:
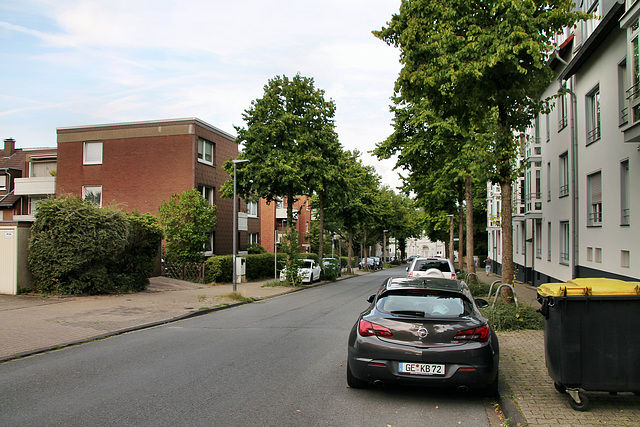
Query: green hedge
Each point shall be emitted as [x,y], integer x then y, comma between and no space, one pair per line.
[77,247]
[219,269]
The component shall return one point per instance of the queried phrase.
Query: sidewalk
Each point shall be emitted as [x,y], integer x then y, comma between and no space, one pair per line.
[523,369]
[33,324]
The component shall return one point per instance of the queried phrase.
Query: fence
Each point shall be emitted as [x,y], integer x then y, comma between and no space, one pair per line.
[189,271]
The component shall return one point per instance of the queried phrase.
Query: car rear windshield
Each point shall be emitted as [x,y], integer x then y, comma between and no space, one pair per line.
[307,264]
[424,304]
[424,265]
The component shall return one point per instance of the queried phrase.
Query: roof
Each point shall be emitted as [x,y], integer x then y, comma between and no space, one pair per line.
[609,23]
[142,124]
[7,201]
[433,283]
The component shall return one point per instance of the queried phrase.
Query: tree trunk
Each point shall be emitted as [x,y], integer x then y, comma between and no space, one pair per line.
[507,239]
[460,236]
[366,251]
[321,224]
[451,245]
[350,252]
[468,193]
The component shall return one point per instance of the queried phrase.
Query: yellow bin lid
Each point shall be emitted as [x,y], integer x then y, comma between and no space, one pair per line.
[592,286]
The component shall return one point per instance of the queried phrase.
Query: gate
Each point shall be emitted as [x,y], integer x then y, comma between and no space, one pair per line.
[189,271]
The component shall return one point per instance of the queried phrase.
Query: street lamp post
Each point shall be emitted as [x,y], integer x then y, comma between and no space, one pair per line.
[235,222]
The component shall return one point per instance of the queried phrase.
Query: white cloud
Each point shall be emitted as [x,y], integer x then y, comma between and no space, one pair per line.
[80,62]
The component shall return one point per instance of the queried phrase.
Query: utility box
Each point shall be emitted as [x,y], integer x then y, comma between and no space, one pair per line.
[241,269]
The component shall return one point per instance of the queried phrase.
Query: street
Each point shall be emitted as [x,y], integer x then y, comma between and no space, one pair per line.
[278,362]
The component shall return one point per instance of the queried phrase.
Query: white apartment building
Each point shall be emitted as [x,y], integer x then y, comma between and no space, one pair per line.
[574,203]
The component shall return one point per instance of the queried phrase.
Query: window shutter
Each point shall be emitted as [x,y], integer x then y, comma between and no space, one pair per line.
[595,187]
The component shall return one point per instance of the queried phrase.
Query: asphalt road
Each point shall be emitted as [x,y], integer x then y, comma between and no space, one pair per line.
[278,362]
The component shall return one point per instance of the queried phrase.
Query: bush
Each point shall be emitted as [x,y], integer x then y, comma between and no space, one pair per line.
[77,247]
[219,269]
[255,248]
[138,260]
[508,317]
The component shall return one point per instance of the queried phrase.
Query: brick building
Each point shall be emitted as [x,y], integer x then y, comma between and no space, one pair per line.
[138,165]
[27,175]
[273,222]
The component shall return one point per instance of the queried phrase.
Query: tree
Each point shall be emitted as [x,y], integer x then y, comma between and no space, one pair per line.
[354,206]
[187,219]
[480,62]
[288,131]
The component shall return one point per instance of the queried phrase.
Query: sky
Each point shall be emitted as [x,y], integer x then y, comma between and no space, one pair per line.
[86,62]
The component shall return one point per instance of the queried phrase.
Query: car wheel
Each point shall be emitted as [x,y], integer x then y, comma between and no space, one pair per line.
[354,382]
[492,390]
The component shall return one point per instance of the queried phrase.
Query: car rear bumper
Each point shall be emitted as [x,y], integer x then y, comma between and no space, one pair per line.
[474,366]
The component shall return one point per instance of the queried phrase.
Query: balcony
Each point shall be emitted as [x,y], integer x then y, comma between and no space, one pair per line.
[281,213]
[243,223]
[35,186]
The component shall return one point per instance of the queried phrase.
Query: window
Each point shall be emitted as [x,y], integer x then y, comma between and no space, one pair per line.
[548,241]
[562,112]
[93,194]
[205,151]
[633,93]
[93,153]
[594,193]
[564,174]
[207,193]
[589,26]
[39,169]
[624,259]
[564,242]
[625,207]
[3,182]
[548,126]
[209,245]
[254,238]
[33,204]
[252,209]
[548,181]
[593,115]
[599,255]
[538,239]
[622,87]
[589,254]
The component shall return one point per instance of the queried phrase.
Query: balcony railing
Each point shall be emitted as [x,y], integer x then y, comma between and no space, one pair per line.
[35,186]
[564,190]
[593,135]
[626,217]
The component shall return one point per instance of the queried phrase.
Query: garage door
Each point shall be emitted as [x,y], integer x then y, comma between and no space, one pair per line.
[8,260]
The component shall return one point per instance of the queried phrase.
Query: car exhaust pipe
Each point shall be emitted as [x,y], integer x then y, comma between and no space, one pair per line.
[378,383]
[463,388]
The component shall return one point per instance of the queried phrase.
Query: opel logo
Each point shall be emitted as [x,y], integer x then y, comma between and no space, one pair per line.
[422,332]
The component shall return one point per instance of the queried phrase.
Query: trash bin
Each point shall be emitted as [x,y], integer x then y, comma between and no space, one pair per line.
[590,336]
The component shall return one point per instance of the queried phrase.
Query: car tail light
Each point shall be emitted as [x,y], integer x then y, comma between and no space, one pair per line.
[367,329]
[480,334]
[453,276]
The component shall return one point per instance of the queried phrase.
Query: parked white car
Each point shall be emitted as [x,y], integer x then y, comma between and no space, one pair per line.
[309,271]
[431,267]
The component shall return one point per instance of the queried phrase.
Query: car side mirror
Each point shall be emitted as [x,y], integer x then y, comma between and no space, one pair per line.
[481,303]
[371,298]
[458,271]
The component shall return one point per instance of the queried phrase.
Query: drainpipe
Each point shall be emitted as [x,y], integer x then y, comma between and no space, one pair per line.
[574,172]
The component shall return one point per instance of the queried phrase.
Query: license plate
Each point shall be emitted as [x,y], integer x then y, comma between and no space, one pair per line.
[421,369]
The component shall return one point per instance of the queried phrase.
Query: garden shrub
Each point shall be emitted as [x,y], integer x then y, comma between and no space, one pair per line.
[72,242]
[138,260]
[508,317]
[77,247]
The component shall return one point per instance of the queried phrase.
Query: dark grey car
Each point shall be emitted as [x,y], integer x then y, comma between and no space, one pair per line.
[425,332]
